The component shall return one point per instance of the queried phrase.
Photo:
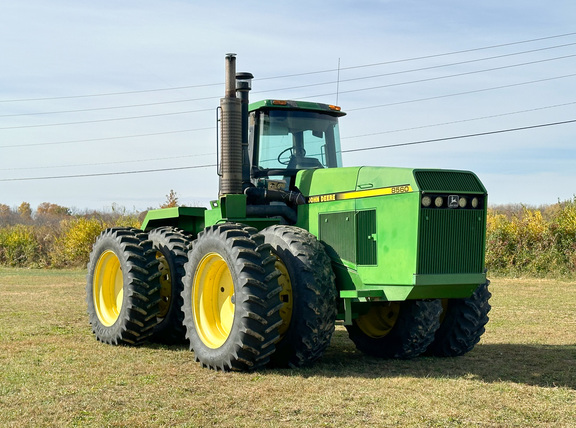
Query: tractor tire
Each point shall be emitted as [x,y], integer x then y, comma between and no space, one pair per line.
[399,330]
[171,247]
[308,296]
[122,289]
[231,304]
[462,324]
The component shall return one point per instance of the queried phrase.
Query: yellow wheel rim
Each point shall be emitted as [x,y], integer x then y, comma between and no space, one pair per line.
[379,320]
[165,285]
[285,297]
[212,300]
[107,288]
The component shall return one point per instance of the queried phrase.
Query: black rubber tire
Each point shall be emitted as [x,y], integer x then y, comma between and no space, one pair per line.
[122,263]
[463,322]
[171,245]
[311,323]
[410,334]
[248,340]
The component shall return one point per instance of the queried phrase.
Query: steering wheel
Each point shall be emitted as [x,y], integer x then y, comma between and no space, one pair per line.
[285,162]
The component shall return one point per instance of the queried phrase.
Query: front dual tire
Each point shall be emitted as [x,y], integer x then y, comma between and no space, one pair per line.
[399,330]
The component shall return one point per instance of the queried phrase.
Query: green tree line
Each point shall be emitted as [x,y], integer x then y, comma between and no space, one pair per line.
[520,240]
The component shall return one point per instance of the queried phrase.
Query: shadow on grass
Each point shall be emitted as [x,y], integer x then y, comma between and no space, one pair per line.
[536,365]
[529,364]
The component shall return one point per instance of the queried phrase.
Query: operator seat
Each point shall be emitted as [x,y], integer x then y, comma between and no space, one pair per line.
[304,163]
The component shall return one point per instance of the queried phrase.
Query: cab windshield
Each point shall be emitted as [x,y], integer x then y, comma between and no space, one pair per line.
[294,140]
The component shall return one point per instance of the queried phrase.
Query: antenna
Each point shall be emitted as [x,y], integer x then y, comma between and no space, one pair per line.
[338,82]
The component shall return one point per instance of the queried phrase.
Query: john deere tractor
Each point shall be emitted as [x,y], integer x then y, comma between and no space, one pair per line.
[295,243]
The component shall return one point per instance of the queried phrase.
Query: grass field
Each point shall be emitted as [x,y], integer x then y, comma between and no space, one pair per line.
[54,373]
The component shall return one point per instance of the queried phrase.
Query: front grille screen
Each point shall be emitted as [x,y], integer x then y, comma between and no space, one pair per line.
[451,241]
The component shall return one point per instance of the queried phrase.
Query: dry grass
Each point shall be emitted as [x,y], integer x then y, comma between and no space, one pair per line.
[54,373]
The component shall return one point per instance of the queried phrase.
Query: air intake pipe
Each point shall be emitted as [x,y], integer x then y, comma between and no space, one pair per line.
[231,134]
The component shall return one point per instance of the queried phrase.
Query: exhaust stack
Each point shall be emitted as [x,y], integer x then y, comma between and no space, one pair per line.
[231,132]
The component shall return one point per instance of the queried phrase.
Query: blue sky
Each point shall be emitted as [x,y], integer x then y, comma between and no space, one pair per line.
[114,86]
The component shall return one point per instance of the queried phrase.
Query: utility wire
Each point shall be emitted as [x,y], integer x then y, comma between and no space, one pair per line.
[102,174]
[338,81]
[111,107]
[293,75]
[106,94]
[479,134]
[27,168]
[307,97]
[460,121]
[348,110]
[343,138]
[104,138]
[412,81]
[433,67]
[462,93]
[443,77]
[343,151]
[83,122]
[420,57]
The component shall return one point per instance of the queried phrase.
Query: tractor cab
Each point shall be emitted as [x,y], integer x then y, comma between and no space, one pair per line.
[288,136]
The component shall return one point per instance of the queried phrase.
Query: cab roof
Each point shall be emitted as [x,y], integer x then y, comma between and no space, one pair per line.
[296,105]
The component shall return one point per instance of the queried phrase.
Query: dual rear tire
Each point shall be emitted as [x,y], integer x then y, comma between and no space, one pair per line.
[254,299]
[123,288]
[308,296]
[231,299]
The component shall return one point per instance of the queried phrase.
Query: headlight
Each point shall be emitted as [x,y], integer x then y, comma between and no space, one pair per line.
[462,202]
[438,201]
[426,201]
[475,203]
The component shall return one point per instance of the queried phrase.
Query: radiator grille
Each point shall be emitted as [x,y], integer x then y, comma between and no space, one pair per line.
[451,241]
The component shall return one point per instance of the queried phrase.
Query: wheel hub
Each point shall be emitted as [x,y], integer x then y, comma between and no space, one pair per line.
[213,300]
[108,288]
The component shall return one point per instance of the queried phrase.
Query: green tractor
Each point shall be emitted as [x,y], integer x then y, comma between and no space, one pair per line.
[295,243]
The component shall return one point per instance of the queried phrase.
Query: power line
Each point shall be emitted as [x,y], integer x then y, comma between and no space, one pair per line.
[343,151]
[444,77]
[413,70]
[433,67]
[83,122]
[112,107]
[348,110]
[479,134]
[462,93]
[105,138]
[343,138]
[106,94]
[102,174]
[109,163]
[451,53]
[417,58]
[460,121]
[293,75]
[295,87]
[307,97]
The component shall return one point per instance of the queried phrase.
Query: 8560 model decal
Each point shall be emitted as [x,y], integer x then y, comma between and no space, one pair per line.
[392,190]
